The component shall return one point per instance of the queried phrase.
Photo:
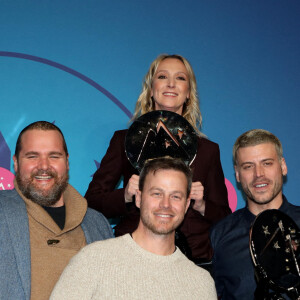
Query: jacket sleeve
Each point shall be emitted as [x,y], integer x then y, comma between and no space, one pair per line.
[208,170]
[96,227]
[215,191]
[214,238]
[15,273]
[101,194]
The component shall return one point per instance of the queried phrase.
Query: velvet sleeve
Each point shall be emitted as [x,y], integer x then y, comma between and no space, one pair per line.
[208,170]
[215,191]
[101,194]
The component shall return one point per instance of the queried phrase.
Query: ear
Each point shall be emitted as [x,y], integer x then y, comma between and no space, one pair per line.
[15,163]
[237,175]
[138,198]
[68,168]
[284,167]
[188,95]
[188,201]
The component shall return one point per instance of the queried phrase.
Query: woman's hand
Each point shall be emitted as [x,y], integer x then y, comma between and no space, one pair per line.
[196,194]
[131,187]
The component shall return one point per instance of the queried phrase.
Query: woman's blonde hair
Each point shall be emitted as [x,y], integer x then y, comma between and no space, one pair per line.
[190,111]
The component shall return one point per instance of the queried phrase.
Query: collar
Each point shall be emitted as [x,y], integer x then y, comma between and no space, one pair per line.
[250,217]
[76,207]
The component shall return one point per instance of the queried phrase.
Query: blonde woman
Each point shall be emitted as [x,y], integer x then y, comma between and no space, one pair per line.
[169,84]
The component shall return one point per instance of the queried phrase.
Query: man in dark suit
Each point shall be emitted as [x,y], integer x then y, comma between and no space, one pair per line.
[259,168]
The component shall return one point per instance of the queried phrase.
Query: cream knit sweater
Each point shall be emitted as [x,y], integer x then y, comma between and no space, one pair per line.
[120,269]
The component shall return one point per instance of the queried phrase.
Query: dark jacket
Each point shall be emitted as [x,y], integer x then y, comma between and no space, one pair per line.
[102,195]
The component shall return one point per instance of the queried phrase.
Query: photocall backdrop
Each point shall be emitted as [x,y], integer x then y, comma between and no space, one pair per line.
[80,64]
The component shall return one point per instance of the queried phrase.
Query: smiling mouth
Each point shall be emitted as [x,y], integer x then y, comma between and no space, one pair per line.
[170,94]
[164,215]
[260,185]
[46,177]
[43,175]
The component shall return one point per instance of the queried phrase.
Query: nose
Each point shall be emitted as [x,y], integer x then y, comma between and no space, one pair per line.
[164,202]
[259,171]
[43,163]
[171,82]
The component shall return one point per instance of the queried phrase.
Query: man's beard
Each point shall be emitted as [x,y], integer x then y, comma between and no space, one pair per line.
[43,197]
[277,188]
[158,229]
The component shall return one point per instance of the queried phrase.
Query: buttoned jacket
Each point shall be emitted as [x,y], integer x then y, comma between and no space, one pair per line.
[15,272]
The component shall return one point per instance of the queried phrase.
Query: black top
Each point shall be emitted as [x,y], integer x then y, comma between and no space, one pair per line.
[58,214]
[232,263]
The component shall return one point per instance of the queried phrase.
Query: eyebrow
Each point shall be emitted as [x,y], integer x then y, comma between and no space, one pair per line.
[155,188]
[56,153]
[180,72]
[161,190]
[251,162]
[31,153]
[37,153]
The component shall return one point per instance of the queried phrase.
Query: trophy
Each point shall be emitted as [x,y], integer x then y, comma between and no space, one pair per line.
[160,133]
[275,251]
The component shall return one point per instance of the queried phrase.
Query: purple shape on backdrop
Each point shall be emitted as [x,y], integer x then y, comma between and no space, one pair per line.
[4,153]
[73,72]
[97,164]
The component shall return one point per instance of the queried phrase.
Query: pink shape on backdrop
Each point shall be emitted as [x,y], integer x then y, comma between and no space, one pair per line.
[6,179]
[232,196]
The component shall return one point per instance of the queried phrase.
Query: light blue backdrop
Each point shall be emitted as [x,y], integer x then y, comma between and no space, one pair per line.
[246,56]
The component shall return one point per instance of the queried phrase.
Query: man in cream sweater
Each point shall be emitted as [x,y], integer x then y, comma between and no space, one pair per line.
[146,265]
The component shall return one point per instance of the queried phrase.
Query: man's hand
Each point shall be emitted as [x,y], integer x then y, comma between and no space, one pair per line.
[196,194]
[131,187]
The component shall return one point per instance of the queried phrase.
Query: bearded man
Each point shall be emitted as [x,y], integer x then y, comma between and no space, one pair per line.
[44,221]
[259,169]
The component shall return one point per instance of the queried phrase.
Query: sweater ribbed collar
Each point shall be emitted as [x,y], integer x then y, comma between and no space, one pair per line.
[138,250]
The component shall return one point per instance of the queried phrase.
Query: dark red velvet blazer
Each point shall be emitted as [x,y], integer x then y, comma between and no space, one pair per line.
[102,195]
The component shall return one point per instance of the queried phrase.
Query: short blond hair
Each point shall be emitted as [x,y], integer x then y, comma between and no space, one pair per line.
[256,137]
